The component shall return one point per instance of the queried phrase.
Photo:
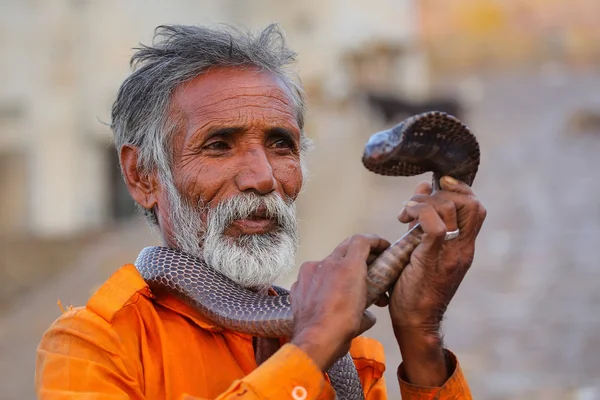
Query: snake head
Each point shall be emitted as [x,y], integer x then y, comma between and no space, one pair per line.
[429,142]
[380,148]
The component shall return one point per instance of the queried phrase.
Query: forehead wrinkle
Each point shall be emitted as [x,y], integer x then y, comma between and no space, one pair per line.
[205,116]
[244,110]
[229,116]
[236,95]
[188,106]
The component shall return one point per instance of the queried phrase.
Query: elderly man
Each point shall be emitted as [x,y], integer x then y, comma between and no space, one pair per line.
[209,130]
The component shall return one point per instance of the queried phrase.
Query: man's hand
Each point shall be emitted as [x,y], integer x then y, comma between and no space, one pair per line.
[437,267]
[329,299]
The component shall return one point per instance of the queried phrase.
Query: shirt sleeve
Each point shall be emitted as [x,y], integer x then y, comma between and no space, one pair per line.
[81,356]
[289,373]
[455,388]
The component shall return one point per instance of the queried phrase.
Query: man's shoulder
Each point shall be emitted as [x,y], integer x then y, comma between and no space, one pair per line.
[125,289]
[124,292]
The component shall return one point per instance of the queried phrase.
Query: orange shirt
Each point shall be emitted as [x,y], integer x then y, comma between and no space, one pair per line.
[128,344]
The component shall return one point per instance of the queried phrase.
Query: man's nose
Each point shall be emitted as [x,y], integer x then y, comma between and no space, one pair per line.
[255,173]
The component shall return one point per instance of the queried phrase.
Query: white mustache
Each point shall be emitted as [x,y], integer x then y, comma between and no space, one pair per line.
[245,205]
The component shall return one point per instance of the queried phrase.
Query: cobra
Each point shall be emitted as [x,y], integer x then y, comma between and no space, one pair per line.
[430,142]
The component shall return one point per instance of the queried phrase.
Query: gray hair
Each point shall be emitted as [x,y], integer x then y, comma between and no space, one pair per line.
[140,113]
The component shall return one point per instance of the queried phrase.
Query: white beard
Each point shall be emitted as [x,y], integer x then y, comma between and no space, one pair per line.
[253,261]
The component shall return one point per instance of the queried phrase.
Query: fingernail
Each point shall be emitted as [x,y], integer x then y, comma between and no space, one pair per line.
[410,203]
[450,180]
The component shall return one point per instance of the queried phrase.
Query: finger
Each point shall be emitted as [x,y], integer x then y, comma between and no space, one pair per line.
[452,185]
[481,214]
[447,183]
[469,210]
[424,187]
[404,217]
[293,290]
[382,301]
[367,322]
[361,246]
[307,270]
[412,224]
[442,205]
[308,267]
[432,224]
[372,257]
[341,249]
[426,214]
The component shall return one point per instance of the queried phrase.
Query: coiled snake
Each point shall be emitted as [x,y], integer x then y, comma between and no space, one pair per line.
[432,141]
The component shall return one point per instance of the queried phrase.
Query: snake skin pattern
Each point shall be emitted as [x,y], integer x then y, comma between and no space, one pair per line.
[433,141]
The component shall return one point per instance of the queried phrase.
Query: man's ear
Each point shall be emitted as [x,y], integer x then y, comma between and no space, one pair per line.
[142,187]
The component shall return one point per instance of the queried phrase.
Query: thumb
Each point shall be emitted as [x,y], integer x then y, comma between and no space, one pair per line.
[367,322]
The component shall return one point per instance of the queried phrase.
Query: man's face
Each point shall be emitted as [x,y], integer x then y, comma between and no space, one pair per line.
[236,171]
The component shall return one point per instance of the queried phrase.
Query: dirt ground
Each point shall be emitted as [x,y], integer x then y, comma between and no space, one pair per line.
[525,323]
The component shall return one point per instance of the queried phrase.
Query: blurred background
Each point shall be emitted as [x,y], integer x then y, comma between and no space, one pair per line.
[523,74]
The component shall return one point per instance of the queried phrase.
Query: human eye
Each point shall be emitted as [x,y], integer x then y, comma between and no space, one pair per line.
[217,146]
[283,141]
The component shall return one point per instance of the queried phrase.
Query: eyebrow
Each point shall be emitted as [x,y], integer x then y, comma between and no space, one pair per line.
[283,132]
[232,130]
[223,131]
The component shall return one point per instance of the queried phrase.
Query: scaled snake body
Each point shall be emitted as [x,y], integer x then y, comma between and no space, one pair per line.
[432,141]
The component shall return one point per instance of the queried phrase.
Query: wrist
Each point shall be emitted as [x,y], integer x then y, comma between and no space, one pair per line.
[424,332]
[423,358]
[315,348]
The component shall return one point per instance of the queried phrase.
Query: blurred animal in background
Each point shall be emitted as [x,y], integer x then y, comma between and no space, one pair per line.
[584,121]
[394,108]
